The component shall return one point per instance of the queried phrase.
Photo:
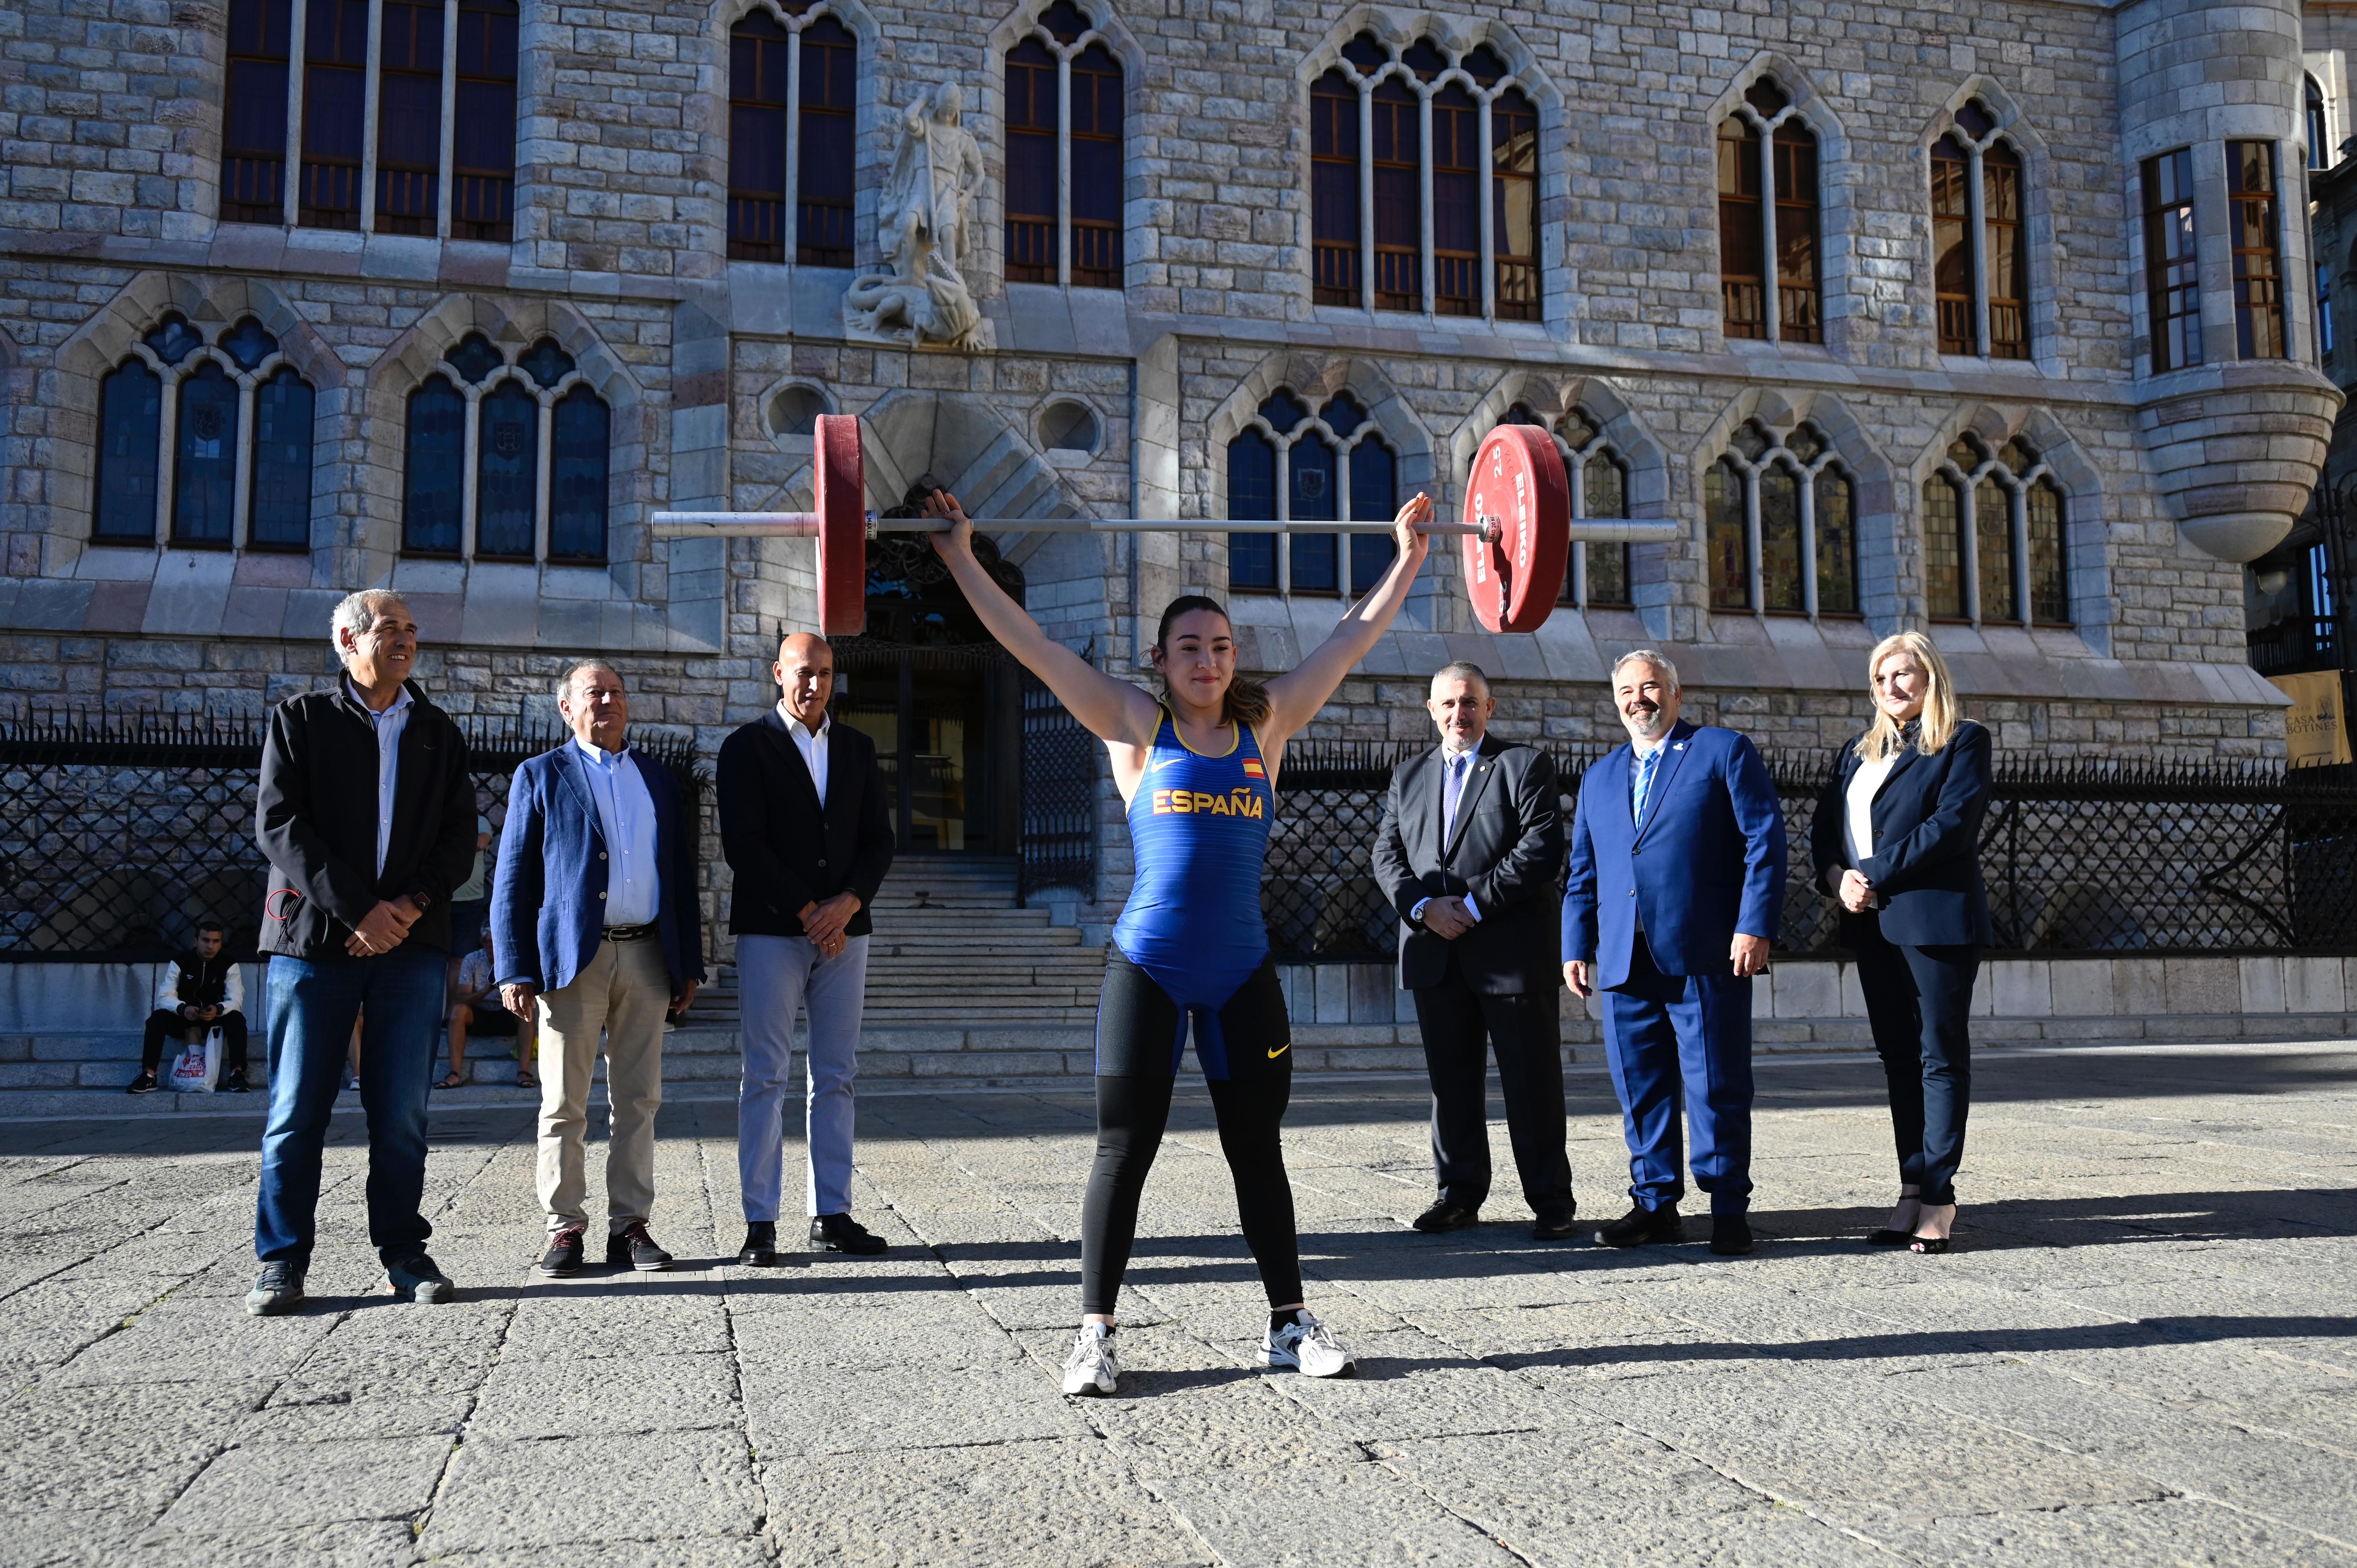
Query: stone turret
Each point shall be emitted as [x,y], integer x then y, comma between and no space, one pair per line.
[2235,442]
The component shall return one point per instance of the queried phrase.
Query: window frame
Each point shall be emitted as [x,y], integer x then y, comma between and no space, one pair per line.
[2167,271]
[1985,157]
[1343,449]
[1805,475]
[366,166]
[472,396]
[1063,224]
[2258,266]
[1497,183]
[1965,486]
[170,379]
[1768,206]
[1578,579]
[790,244]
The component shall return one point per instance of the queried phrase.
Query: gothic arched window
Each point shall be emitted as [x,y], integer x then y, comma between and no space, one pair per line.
[1770,257]
[1064,176]
[793,129]
[1995,538]
[1980,270]
[2320,133]
[537,487]
[1780,525]
[1375,242]
[219,429]
[1291,464]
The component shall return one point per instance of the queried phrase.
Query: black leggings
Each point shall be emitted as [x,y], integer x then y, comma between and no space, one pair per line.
[1136,1021]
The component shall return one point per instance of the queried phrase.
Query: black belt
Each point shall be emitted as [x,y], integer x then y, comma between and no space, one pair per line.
[629,933]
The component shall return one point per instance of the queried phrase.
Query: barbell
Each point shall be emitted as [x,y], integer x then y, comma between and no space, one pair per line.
[1517,531]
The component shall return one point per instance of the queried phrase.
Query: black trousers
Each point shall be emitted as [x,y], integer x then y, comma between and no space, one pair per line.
[1461,1029]
[1918,1001]
[163,1025]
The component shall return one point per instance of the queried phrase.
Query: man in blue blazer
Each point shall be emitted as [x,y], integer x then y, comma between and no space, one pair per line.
[1674,889]
[593,922]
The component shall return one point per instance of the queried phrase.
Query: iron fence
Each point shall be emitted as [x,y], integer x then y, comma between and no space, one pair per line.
[1058,833]
[2100,857]
[118,833]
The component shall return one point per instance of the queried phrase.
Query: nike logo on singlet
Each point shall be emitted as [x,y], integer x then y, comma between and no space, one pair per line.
[1280,1050]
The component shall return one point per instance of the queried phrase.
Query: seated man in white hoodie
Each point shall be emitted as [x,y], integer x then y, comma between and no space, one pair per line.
[201,989]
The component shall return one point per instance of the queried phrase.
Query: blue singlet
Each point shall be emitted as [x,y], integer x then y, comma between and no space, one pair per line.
[1198,831]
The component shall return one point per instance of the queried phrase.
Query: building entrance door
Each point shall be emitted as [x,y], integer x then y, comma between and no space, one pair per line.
[940,699]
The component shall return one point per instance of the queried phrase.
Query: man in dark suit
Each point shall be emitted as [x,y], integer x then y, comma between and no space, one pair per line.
[1471,843]
[1675,886]
[596,933]
[806,827]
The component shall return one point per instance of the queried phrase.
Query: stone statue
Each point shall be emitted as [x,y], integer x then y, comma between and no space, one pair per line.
[921,226]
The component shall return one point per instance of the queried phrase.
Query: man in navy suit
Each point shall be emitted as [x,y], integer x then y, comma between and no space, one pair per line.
[1676,881]
[595,924]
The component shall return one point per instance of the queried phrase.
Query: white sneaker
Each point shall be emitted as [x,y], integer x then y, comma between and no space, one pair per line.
[1092,1369]
[1308,1347]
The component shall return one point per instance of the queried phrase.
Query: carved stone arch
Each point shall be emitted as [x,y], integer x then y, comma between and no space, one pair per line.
[1317,376]
[1838,179]
[1890,538]
[2037,198]
[1140,237]
[1400,26]
[1551,397]
[871,155]
[379,459]
[68,387]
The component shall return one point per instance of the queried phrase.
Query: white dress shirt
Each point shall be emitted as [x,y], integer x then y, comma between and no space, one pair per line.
[388,726]
[1456,771]
[811,745]
[1857,817]
[626,813]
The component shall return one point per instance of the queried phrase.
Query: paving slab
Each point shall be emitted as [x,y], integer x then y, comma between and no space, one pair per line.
[2142,1350]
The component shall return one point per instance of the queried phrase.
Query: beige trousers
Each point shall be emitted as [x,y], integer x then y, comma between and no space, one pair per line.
[622,993]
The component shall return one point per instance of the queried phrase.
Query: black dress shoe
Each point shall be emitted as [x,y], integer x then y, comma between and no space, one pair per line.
[1555,1227]
[562,1259]
[632,1248]
[841,1233]
[760,1248]
[1446,1216]
[1641,1225]
[1730,1235]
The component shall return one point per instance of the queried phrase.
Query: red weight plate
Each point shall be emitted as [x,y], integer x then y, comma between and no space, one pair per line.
[1517,479]
[841,502]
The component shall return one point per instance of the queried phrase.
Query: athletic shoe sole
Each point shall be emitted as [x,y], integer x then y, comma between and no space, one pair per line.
[271,1308]
[431,1291]
[1293,1364]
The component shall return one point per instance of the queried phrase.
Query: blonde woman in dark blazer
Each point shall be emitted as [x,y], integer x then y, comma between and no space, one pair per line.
[1897,842]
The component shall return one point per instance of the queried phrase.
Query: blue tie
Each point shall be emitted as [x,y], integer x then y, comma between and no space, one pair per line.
[1450,790]
[1644,784]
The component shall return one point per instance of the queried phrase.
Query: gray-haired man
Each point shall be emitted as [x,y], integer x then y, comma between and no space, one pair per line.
[366,812]
[594,928]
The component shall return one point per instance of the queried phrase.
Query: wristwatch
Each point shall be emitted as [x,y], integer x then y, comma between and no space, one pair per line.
[423,900]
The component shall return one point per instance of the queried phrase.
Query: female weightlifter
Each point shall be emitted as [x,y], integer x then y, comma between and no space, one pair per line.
[1197,770]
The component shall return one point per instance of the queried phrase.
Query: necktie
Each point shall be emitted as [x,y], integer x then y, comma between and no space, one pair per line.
[1645,767]
[1451,788]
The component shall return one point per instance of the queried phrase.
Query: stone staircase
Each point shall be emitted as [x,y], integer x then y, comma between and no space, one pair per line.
[963,987]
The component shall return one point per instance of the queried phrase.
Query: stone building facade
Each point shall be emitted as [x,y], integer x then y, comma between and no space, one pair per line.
[129,203]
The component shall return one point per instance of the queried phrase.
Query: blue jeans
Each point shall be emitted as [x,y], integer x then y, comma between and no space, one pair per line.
[313,1002]
[776,978]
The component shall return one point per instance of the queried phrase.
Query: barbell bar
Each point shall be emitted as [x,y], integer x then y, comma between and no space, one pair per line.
[1517,531]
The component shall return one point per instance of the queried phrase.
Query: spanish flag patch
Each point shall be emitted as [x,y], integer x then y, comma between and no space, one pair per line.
[1253,770]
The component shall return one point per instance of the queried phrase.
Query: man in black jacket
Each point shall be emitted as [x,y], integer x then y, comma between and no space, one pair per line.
[1469,849]
[806,827]
[367,814]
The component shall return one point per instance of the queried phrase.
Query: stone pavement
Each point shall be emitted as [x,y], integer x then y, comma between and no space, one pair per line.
[2139,1353]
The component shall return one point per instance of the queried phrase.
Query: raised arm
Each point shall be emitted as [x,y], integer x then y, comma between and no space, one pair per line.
[1296,697]
[1109,709]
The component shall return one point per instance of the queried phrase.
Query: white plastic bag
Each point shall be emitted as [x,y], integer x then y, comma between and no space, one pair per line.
[195,1068]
